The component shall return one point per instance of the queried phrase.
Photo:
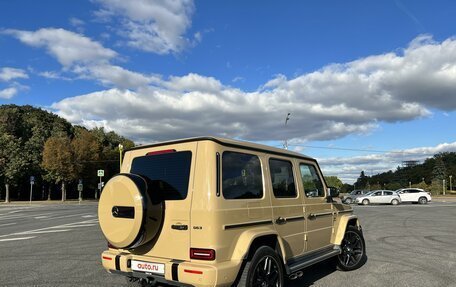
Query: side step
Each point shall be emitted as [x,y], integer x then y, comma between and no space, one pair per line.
[306,260]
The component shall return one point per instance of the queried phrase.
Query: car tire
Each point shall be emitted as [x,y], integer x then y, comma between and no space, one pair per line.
[348,200]
[394,202]
[265,267]
[422,200]
[365,202]
[353,250]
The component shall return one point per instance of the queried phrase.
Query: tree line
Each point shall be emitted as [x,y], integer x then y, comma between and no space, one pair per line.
[432,175]
[35,142]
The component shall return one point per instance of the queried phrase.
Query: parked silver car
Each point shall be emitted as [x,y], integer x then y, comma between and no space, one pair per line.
[350,197]
[379,197]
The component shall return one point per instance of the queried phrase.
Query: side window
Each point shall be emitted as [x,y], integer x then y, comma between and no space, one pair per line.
[313,186]
[282,178]
[378,193]
[241,176]
[388,193]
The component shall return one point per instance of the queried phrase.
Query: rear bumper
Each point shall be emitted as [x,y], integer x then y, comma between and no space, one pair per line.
[177,272]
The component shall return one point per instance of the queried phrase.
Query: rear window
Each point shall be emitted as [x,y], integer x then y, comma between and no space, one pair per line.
[241,176]
[167,175]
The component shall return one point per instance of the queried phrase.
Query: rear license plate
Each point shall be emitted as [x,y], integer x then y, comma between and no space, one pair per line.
[148,267]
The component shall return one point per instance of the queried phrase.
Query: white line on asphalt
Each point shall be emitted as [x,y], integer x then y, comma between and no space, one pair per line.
[44,231]
[41,217]
[87,216]
[51,228]
[15,239]
[8,224]
[66,216]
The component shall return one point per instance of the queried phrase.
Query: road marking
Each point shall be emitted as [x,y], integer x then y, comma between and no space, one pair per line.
[66,216]
[15,239]
[51,229]
[41,217]
[8,224]
[45,231]
[88,216]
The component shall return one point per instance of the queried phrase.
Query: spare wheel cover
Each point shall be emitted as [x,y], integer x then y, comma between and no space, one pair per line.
[124,210]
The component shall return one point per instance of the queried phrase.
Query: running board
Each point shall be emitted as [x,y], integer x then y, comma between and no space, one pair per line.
[306,260]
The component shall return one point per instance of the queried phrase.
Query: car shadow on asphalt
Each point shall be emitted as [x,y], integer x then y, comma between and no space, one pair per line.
[314,273]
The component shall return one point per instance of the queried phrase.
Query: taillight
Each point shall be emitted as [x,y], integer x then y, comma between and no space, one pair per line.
[202,254]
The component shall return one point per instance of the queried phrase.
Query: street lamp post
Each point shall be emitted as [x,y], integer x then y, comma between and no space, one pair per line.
[120,156]
[285,144]
[451,187]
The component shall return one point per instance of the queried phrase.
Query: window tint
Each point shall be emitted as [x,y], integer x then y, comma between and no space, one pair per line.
[413,191]
[167,175]
[241,176]
[313,186]
[377,193]
[388,193]
[282,178]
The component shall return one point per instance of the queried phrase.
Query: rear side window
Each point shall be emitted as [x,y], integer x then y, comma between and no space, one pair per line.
[388,193]
[313,186]
[167,175]
[241,176]
[283,183]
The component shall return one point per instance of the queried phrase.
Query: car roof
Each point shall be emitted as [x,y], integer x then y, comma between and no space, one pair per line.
[231,143]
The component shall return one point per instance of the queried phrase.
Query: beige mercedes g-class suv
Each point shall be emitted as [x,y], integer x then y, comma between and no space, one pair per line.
[216,212]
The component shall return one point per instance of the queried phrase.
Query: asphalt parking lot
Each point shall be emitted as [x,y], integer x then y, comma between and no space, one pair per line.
[60,245]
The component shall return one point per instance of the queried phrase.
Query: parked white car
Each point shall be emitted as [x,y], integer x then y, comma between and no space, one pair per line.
[415,195]
[379,197]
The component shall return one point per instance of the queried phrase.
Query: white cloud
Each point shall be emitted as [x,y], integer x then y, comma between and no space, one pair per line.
[8,93]
[333,102]
[67,47]
[7,74]
[349,168]
[86,58]
[153,26]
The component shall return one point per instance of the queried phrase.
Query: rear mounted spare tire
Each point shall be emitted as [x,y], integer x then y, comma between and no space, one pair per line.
[128,217]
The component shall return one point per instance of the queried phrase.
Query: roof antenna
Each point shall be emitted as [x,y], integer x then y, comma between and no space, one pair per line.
[285,144]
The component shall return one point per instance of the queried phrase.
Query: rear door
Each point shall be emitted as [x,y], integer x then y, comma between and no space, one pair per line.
[387,196]
[318,212]
[168,171]
[287,205]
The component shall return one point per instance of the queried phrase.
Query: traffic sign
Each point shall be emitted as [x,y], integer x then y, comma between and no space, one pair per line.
[32,180]
[80,187]
[100,172]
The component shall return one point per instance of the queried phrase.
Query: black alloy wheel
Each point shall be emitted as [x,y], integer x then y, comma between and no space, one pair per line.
[263,270]
[353,250]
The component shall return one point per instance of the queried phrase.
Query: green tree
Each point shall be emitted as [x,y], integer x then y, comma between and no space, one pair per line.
[334,181]
[58,161]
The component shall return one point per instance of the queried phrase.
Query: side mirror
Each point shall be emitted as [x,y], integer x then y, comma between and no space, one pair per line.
[332,192]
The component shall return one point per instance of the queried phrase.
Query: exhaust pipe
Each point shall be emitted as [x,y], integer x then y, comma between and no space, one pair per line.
[296,275]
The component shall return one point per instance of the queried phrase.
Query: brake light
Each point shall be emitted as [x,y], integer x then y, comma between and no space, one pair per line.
[107,258]
[202,254]
[161,152]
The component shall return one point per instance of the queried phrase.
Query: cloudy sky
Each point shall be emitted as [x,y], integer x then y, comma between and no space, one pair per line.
[368,83]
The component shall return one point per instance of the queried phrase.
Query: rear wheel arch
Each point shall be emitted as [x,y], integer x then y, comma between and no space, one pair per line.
[251,240]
